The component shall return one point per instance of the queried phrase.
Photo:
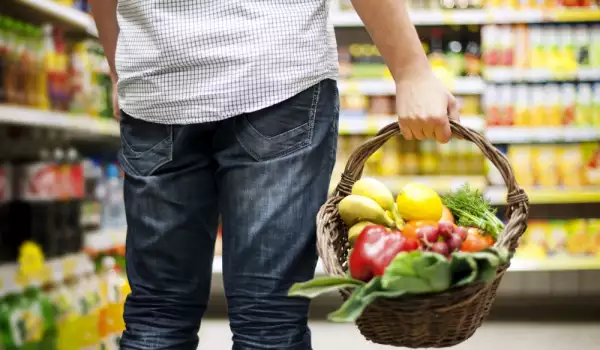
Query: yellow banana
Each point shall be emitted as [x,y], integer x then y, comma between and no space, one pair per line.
[376,190]
[356,208]
[356,229]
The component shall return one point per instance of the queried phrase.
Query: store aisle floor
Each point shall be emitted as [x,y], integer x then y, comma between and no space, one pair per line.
[215,335]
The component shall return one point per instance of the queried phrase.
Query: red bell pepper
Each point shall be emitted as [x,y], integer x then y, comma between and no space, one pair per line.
[374,250]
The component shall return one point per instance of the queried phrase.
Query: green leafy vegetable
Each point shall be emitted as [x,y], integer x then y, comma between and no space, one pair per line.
[464,269]
[360,300]
[417,272]
[487,265]
[471,209]
[321,285]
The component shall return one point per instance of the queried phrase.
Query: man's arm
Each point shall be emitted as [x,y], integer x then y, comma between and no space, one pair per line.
[423,104]
[105,16]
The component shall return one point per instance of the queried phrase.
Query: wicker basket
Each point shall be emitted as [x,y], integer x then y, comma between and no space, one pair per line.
[421,321]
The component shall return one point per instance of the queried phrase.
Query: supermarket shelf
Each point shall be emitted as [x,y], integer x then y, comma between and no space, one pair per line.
[66,264]
[497,195]
[556,264]
[73,17]
[542,134]
[479,16]
[511,75]
[77,123]
[370,125]
[379,87]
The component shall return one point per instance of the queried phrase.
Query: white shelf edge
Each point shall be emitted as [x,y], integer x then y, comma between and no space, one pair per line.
[79,123]
[470,16]
[357,125]
[510,134]
[67,14]
[497,75]
[378,87]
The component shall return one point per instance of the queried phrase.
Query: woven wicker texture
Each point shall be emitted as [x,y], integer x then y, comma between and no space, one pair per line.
[423,321]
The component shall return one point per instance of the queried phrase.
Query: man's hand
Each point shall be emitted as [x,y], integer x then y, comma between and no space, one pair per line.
[424,107]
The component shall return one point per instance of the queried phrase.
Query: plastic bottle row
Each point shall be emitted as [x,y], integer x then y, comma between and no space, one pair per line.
[552,104]
[81,309]
[39,68]
[54,198]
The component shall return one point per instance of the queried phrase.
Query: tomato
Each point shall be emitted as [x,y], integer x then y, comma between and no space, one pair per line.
[410,228]
[488,238]
[447,215]
[475,241]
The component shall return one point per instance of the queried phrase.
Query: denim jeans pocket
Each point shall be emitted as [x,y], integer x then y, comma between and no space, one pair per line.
[281,129]
[145,146]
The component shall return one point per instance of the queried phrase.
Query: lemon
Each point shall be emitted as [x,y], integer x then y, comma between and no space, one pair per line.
[419,202]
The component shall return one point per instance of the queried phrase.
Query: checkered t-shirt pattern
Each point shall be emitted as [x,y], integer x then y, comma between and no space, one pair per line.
[195,61]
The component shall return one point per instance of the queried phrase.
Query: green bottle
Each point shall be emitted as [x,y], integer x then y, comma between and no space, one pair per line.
[11,314]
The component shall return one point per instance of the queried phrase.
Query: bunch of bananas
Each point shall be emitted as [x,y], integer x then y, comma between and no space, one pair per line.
[371,202]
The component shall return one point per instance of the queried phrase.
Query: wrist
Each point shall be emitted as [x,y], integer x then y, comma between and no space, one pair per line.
[417,67]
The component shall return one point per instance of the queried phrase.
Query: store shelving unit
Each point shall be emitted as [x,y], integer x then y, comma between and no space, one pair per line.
[378,87]
[55,11]
[479,16]
[370,125]
[497,195]
[17,115]
[509,134]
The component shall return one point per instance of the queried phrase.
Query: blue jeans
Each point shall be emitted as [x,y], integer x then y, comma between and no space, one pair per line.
[266,173]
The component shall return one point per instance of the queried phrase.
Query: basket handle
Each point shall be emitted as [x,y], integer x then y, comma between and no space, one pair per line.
[517,200]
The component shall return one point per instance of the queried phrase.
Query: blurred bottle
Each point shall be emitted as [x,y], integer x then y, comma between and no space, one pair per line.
[113,213]
[33,212]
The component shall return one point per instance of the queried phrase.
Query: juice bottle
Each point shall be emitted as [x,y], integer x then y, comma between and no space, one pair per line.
[536,55]
[522,106]
[117,290]
[64,310]
[569,159]
[568,100]
[545,165]
[521,159]
[39,77]
[10,62]
[50,62]
[507,46]
[538,108]
[583,113]
[492,106]
[37,319]
[554,110]
[11,311]
[508,109]
[89,297]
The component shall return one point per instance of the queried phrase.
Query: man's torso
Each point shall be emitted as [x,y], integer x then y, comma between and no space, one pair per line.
[186,61]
